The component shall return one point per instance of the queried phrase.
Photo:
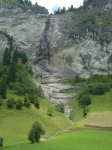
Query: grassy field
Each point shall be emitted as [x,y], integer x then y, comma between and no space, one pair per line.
[15,124]
[78,140]
[100,105]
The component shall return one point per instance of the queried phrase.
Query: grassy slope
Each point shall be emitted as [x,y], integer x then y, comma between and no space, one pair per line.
[15,124]
[79,140]
[100,104]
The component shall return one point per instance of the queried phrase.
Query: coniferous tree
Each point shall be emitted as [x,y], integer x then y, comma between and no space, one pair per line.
[6,57]
[36,3]
[20,79]
[31,72]
[24,58]
[12,73]
[3,87]
[36,103]
[15,56]
[29,3]
[26,1]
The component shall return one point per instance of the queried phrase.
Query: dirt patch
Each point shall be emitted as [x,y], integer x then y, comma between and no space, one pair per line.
[88,127]
[101,120]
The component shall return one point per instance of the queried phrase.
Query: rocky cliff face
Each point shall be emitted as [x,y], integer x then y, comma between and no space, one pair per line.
[26,25]
[69,46]
[73,42]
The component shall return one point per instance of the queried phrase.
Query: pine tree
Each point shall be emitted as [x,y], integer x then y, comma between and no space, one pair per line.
[31,72]
[12,73]
[15,56]
[36,103]
[6,57]
[24,58]
[26,1]
[20,79]
[36,3]
[3,87]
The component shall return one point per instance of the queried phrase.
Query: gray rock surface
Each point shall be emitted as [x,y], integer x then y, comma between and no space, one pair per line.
[82,54]
[25,25]
[53,95]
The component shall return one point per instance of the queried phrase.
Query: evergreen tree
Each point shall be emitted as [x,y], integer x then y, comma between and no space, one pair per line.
[3,87]
[15,56]
[12,73]
[36,3]
[36,103]
[29,3]
[63,10]
[6,57]
[35,132]
[20,79]
[24,58]
[26,1]
[26,101]
[31,72]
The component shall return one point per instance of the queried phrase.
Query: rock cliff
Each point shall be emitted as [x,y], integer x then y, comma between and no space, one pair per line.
[25,24]
[77,42]
[61,45]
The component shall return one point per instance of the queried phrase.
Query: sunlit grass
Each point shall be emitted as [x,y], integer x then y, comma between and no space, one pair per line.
[78,140]
[15,124]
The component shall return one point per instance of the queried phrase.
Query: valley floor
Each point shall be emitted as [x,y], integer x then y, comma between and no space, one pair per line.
[78,140]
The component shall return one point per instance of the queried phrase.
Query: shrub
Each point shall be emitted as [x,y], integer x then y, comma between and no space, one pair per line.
[60,107]
[11,85]
[84,112]
[50,111]
[20,91]
[98,89]
[35,132]
[27,104]
[10,103]
[26,101]
[36,103]
[26,98]
[32,97]
[106,87]
[1,141]
[85,100]
[19,104]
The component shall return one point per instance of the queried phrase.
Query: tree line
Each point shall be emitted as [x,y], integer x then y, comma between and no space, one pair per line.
[63,10]
[26,2]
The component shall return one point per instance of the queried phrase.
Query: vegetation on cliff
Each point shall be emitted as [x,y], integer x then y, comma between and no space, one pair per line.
[27,4]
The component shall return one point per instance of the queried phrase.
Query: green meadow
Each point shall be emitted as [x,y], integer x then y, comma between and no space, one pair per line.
[78,140]
[15,124]
[99,104]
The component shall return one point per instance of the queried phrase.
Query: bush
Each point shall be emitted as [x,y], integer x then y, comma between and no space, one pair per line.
[84,112]
[85,100]
[35,132]
[10,103]
[11,85]
[98,89]
[1,141]
[60,107]
[19,104]
[27,104]
[36,103]
[19,90]
[50,111]
[107,88]
[26,98]
[32,97]
[26,101]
